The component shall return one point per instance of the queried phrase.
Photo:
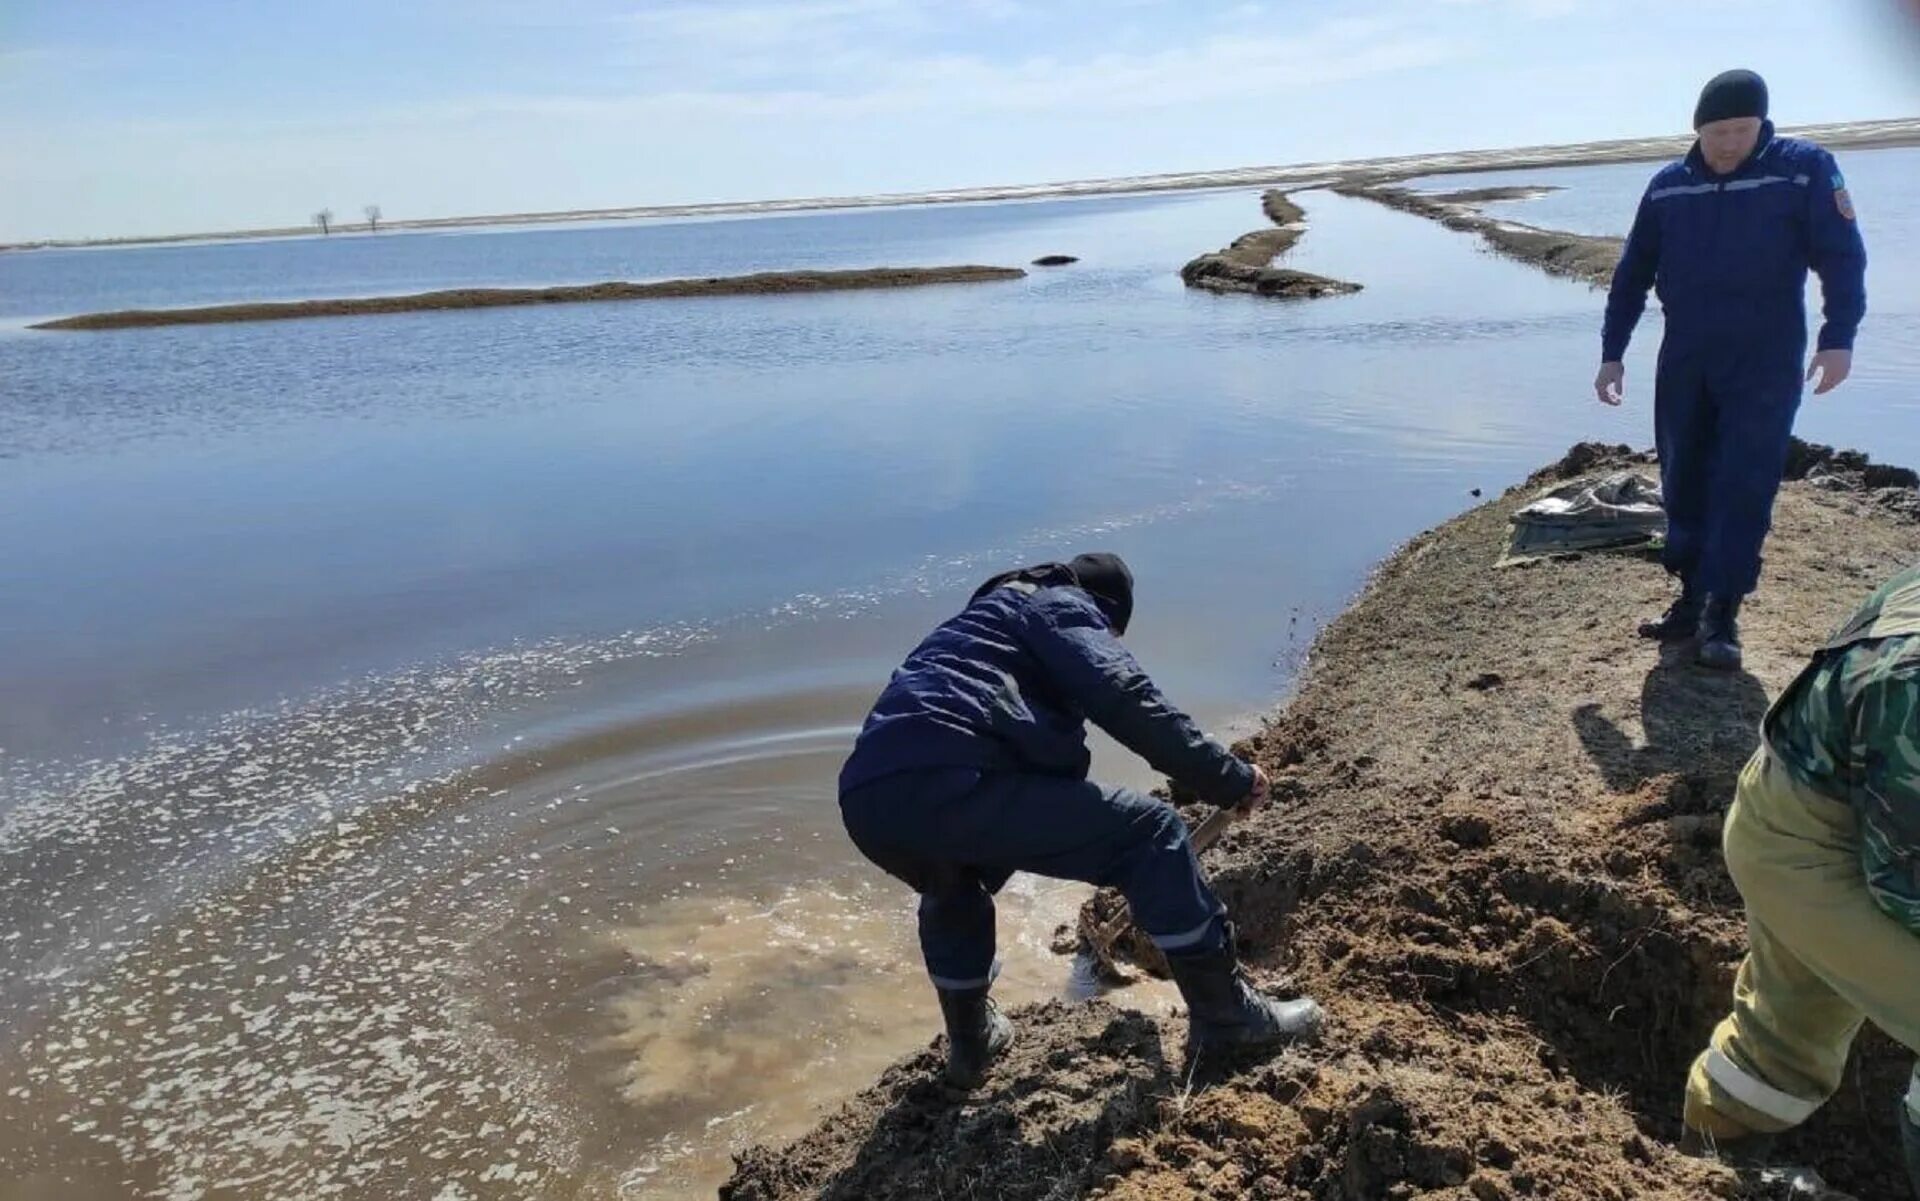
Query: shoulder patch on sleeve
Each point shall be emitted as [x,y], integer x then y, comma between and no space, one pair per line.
[1841,200]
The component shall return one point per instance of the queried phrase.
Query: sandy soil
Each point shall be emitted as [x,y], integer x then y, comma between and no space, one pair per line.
[1898,132]
[763,284]
[1246,265]
[1495,860]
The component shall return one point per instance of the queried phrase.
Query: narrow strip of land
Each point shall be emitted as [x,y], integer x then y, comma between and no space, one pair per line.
[763,284]
[1247,264]
[1556,251]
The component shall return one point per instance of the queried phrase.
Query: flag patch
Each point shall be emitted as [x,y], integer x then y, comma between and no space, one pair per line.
[1844,203]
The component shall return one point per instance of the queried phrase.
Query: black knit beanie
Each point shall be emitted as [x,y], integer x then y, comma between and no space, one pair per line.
[1731,94]
[1108,580]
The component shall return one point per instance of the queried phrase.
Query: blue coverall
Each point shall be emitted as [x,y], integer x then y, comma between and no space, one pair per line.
[973,763]
[1728,255]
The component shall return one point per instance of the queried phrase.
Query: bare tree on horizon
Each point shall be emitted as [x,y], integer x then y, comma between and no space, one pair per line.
[324,219]
[373,217]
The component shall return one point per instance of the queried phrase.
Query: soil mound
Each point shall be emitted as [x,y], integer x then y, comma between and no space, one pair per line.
[1246,265]
[1220,273]
[1494,858]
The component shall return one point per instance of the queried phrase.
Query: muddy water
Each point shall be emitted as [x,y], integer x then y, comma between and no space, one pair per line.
[419,732]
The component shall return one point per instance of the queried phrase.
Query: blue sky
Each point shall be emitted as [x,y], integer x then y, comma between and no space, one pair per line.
[128,118]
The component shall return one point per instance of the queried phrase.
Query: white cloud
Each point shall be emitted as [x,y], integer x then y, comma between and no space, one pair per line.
[680,22]
[862,81]
[704,46]
[1536,9]
[1218,68]
[694,27]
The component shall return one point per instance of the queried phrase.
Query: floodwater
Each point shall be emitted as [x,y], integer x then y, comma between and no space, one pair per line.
[417,733]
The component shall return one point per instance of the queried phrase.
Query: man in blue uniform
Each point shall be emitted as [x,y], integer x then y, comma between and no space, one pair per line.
[973,765]
[1726,236]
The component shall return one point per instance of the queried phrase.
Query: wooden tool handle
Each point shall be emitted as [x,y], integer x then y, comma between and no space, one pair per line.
[1209,831]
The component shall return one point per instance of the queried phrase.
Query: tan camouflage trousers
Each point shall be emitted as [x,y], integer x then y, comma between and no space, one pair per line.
[1822,959]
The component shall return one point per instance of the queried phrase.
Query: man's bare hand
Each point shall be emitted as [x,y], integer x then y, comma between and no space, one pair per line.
[1611,384]
[1258,798]
[1833,367]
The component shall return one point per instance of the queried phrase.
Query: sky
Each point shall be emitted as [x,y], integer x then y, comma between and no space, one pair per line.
[128,118]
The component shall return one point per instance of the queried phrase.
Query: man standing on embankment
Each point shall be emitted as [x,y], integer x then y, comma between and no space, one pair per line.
[1823,840]
[1727,235]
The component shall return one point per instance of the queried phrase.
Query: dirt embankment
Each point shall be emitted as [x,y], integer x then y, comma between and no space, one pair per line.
[1495,195]
[1494,858]
[763,284]
[1246,265]
[1580,256]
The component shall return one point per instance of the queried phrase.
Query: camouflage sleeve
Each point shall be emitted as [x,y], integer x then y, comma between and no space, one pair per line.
[1809,728]
[1885,729]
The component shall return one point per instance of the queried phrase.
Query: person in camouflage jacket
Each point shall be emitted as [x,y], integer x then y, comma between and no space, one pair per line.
[1823,840]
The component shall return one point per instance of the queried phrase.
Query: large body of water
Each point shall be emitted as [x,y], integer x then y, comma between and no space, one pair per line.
[417,733]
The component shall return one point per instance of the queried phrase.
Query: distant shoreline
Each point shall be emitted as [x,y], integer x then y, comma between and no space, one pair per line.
[767,283]
[1904,131]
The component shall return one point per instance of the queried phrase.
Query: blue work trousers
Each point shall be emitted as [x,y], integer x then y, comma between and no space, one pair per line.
[1722,420]
[955,836]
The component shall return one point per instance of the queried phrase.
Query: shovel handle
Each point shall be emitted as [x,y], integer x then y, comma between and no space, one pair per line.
[1209,831]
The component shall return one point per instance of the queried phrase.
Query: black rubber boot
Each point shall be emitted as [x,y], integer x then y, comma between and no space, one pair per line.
[1224,1010]
[1680,622]
[1910,1145]
[1720,634]
[977,1033]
